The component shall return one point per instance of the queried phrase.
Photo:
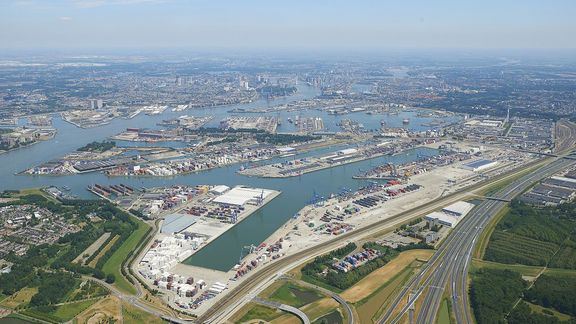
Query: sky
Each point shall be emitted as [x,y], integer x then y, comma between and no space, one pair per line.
[286,24]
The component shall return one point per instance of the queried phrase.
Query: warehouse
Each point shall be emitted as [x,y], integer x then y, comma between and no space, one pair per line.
[176,223]
[460,208]
[239,196]
[439,218]
[219,190]
[479,165]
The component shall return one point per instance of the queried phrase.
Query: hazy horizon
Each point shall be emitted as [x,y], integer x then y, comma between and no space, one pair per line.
[294,25]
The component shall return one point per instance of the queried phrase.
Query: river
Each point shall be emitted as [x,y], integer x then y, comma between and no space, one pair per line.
[223,252]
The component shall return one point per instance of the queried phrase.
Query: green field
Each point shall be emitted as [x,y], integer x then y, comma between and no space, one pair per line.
[372,306]
[260,312]
[332,317]
[543,310]
[114,264]
[69,311]
[294,295]
[525,270]
[444,313]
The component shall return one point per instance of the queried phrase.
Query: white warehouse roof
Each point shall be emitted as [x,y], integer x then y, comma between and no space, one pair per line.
[460,208]
[348,151]
[241,195]
[219,189]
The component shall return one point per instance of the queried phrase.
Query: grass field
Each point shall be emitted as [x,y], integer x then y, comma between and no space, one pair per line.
[114,263]
[560,272]
[253,311]
[133,315]
[525,270]
[443,313]
[69,311]
[19,298]
[294,295]
[539,309]
[371,306]
[373,281]
[332,317]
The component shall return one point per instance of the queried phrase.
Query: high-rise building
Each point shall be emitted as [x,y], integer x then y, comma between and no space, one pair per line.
[96,103]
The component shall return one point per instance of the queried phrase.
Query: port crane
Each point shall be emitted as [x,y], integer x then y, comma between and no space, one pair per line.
[316,200]
[250,248]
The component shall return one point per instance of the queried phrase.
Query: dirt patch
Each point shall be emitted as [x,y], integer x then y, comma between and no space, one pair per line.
[374,280]
[19,298]
[107,308]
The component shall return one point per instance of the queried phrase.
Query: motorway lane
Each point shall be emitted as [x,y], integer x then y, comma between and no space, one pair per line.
[461,278]
[462,249]
[454,254]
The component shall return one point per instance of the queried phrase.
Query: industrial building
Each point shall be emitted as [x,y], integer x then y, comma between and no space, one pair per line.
[239,196]
[460,208]
[551,192]
[176,223]
[450,215]
[479,165]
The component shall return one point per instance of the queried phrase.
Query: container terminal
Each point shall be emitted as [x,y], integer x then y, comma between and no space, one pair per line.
[194,289]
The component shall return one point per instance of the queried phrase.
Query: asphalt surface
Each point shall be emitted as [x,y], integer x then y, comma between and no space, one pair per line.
[284,307]
[449,265]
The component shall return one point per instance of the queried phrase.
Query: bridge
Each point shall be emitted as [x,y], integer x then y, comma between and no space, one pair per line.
[284,307]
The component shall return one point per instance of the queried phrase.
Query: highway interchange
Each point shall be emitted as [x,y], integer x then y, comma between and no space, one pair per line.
[448,268]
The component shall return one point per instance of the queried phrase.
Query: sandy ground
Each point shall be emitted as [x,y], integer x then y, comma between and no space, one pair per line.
[107,308]
[377,278]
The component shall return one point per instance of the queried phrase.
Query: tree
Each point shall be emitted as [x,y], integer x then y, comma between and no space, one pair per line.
[110,278]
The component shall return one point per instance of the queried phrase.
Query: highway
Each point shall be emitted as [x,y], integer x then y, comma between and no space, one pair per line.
[236,298]
[284,307]
[449,265]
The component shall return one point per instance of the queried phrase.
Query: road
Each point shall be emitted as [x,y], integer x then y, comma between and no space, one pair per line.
[450,263]
[334,296]
[235,299]
[284,307]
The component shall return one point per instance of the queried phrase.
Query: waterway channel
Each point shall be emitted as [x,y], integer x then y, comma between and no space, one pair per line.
[223,252]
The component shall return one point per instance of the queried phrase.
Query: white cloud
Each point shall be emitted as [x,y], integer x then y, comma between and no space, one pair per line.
[65,18]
